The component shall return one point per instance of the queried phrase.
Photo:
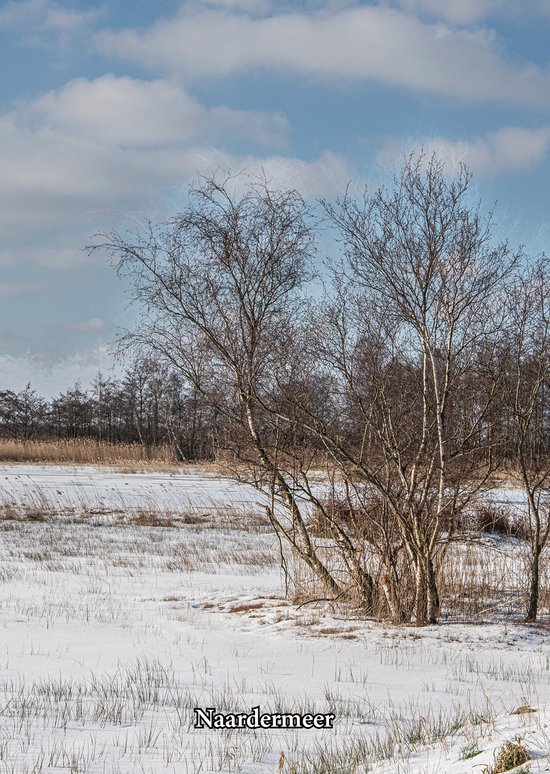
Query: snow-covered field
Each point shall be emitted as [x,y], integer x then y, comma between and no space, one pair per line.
[101,491]
[135,598]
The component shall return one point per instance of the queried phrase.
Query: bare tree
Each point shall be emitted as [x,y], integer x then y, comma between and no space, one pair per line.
[529,350]
[418,301]
[218,287]
[21,414]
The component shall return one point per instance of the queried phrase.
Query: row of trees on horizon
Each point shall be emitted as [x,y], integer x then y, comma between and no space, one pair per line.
[152,405]
[147,405]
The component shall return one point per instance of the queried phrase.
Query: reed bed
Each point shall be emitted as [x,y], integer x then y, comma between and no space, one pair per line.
[84,451]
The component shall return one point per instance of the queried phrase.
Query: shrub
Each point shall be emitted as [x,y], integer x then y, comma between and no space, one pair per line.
[499,520]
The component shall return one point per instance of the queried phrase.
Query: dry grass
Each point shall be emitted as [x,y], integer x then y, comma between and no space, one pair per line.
[497,520]
[128,457]
[137,715]
[246,607]
[507,757]
[84,452]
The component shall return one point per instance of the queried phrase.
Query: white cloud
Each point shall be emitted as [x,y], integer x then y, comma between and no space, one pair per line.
[50,377]
[87,326]
[327,175]
[510,149]
[78,159]
[95,146]
[38,252]
[365,42]
[251,6]
[136,112]
[8,289]
[454,11]
[470,11]
[30,14]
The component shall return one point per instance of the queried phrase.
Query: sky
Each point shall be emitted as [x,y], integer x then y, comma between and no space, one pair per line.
[109,109]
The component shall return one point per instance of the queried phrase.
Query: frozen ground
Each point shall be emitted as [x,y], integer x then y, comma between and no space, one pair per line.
[113,629]
[101,491]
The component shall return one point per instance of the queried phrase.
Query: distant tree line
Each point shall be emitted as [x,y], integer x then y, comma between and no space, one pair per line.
[148,405]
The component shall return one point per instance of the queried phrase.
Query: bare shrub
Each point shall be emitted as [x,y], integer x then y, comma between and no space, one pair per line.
[499,520]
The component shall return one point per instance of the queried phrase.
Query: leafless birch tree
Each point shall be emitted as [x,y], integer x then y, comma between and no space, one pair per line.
[422,280]
[529,349]
[218,288]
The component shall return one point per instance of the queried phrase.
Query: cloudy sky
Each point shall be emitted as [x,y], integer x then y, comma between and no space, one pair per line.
[109,108]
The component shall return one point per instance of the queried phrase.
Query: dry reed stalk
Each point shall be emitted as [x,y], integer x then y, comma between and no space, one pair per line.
[83,452]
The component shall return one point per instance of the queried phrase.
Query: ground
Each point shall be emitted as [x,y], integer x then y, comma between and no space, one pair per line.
[129,599]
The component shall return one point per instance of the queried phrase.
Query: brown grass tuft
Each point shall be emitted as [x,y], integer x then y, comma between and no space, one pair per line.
[246,607]
[507,757]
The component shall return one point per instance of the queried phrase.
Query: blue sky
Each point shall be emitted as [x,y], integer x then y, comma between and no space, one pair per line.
[109,109]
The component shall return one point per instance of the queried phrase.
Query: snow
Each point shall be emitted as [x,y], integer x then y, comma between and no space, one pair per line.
[112,631]
[78,487]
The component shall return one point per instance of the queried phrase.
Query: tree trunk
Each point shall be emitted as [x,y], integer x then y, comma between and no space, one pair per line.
[419,617]
[322,573]
[365,586]
[391,600]
[432,596]
[426,604]
[303,545]
[532,609]
[303,548]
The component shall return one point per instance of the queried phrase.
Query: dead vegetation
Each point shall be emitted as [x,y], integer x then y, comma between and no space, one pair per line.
[132,574]
[508,757]
[83,451]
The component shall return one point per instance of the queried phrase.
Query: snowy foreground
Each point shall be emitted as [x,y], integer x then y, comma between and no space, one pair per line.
[130,599]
